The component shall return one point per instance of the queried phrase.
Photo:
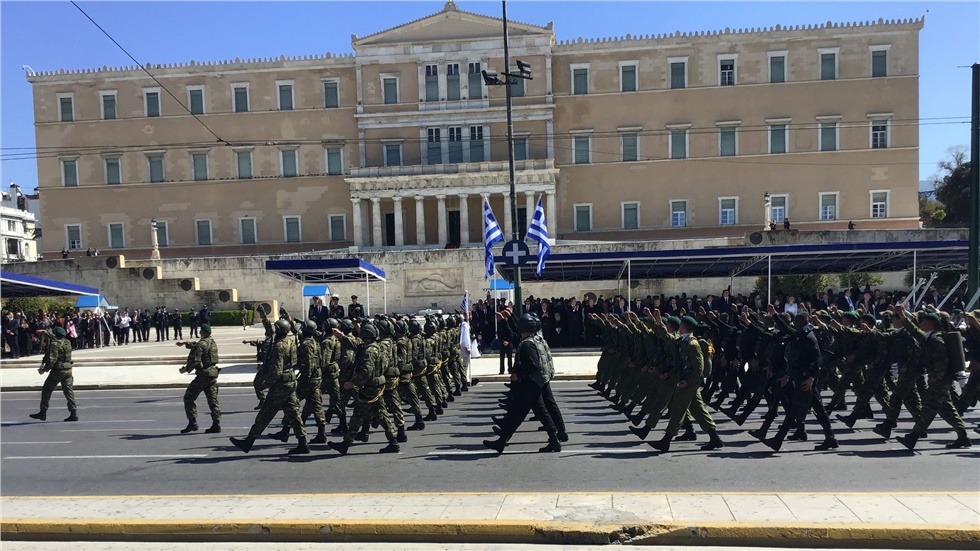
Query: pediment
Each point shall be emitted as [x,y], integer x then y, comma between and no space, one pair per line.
[450,24]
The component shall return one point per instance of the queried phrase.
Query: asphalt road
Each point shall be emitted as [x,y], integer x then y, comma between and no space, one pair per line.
[127,443]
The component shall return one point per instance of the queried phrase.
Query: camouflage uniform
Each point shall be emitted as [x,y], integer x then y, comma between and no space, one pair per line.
[369,384]
[279,378]
[57,362]
[203,361]
[310,378]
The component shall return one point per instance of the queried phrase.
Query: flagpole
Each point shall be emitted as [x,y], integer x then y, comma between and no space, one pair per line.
[518,300]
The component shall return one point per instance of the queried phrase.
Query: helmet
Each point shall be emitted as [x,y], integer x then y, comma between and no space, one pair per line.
[528,323]
[429,329]
[451,322]
[310,327]
[413,327]
[384,328]
[282,327]
[369,331]
[346,326]
[332,323]
[401,328]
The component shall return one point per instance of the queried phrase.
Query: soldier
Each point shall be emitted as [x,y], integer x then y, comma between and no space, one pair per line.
[262,347]
[419,370]
[368,383]
[355,310]
[280,379]
[178,324]
[57,360]
[308,388]
[907,353]
[330,350]
[203,361]
[349,345]
[406,387]
[193,322]
[392,373]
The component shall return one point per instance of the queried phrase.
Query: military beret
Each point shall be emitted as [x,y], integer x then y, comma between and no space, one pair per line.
[825,316]
[206,327]
[803,313]
[929,316]
[689,320]
[60,331]
[870,319]
[674,320]
[851,315]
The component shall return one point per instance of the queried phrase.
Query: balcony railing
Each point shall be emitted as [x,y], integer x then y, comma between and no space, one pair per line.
[457,168]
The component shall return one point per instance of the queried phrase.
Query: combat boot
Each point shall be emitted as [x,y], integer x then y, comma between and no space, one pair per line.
[641,432]
[776,442]
[341,447]
[40,416]
[419,424]
[457,392]
[244,444]
[363,435]
[401,437]
[908,440]
[554,446]
[282,435]
[465,387]
[662,445]
[563,437]
[439,410]
[321,435]
[714,443]
[191,427]
[431,416]
[884,429]
[301,448]
[215,428]
[392,447]
[849,420]
[341,427]
[73,416]
[758,434]
[495,445]
[962,441]
[798,436]
[829,443]
[688,436]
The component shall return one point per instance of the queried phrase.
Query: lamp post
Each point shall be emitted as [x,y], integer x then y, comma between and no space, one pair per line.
[155,255]
[768,202]
[491,79]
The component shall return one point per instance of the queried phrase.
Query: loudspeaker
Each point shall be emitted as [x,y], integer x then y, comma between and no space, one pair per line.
[111,262]
[186,284]
[224,296]
[149,273]
[755,238]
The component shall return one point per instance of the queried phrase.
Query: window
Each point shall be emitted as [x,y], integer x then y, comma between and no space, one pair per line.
[66,107]
[240,97]
[475,79]
[580,79]
[73,236]
[631,216]
[431,83]
[452,82]
[777,208]
[246,227]
[285,94]
[199,162]
[287,163]
[777,138]
[678,144]
[476,144]
[879,204]
[108,104]
[879,133]
[338,227]
[629,146]
[583,217]
[455,144]
[777,67]
[627,76]
[163,234]
[155,162]
[291,229]
[678,214]
[728,211]
[113,172]
[828,206]
[520,149]
[243,160]
[331,94]
[728,141]
[116,240]
[195,99]
[582,153]
[516,86]
[678,72]
[389,90]
[828,64]
[151,102]
[828,135]
[69,172]
[202,230]
[434,146]
[879,61]
[393,154]
[726,71]
[335,161]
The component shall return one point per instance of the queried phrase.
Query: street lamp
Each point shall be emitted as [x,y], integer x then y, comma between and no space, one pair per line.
[155,255]
[492,79]
[768,201]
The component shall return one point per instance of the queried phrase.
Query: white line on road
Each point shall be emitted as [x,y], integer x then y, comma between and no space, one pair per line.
[174,456]
[12,443]
[174,428]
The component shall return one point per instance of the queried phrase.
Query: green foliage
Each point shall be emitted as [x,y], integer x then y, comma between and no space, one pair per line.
[951,206]
[860,281]
[33,304]
[812,285]
[223,318]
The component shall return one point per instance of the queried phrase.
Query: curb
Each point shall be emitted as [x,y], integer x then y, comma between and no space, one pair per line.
[530,532]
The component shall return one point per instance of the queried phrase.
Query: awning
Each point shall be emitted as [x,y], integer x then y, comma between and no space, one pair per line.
[92,302]
[315,290]
[499,285]
[17,285]
[323,270]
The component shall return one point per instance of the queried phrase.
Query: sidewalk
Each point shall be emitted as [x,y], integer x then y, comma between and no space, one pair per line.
[936,521]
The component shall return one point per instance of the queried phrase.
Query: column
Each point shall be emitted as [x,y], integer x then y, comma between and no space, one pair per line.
[358,229]
[551,216]
[507,227]
[443,236]
[399,224]
[419,220]
[529,205]
[464,220]
[376,220]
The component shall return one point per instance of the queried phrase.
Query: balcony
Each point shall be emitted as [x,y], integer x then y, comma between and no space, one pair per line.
[458,168]
[486,177]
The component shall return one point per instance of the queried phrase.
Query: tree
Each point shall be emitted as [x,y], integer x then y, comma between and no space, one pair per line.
[848,281]
[31,305]
[951,206]
[808,285]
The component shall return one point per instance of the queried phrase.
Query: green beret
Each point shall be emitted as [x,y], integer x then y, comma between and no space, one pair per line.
[851,315]
[690,321]
[676,321]
[825,316]
[870,319]
[60,332]
[206,327]
[803,314]
[929,316]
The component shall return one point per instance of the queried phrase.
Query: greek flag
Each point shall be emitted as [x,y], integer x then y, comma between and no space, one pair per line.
[465,305]
[491,235]
[538,231]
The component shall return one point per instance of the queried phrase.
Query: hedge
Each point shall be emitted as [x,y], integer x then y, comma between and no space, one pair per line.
[223,318]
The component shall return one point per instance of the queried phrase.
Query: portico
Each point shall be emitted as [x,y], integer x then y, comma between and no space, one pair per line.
[446,193]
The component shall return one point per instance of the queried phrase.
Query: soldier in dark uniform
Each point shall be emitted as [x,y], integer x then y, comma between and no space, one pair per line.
[178,324]
[355,310]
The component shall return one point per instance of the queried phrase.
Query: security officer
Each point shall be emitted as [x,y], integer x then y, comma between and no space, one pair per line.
[203,361]
[57,360]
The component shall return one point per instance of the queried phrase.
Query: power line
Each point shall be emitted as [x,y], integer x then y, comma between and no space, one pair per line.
[142,66]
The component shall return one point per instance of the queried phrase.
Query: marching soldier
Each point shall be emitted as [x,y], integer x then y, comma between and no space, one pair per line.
[57,361]
[203,361]
[330,351]
[308,388]
[262,347]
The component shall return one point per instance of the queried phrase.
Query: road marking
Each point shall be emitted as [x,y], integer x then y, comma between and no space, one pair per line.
[618,451]
[174,456]
[174,428]
[10,423]
[12,443]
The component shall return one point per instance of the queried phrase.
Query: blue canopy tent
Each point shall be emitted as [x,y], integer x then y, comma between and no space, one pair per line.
[331,270]
[314,291]
[89,302]
[17,285]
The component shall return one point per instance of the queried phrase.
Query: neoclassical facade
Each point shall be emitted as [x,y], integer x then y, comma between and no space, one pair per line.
[398,143]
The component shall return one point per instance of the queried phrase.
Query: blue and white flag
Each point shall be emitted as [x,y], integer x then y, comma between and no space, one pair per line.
[491,235]
[465,305]
[538,231]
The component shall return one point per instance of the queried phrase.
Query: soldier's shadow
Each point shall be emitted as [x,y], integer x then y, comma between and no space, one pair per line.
[238,368]
[138,437]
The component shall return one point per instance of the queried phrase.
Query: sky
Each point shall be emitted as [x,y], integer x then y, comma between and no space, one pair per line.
[55,35]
